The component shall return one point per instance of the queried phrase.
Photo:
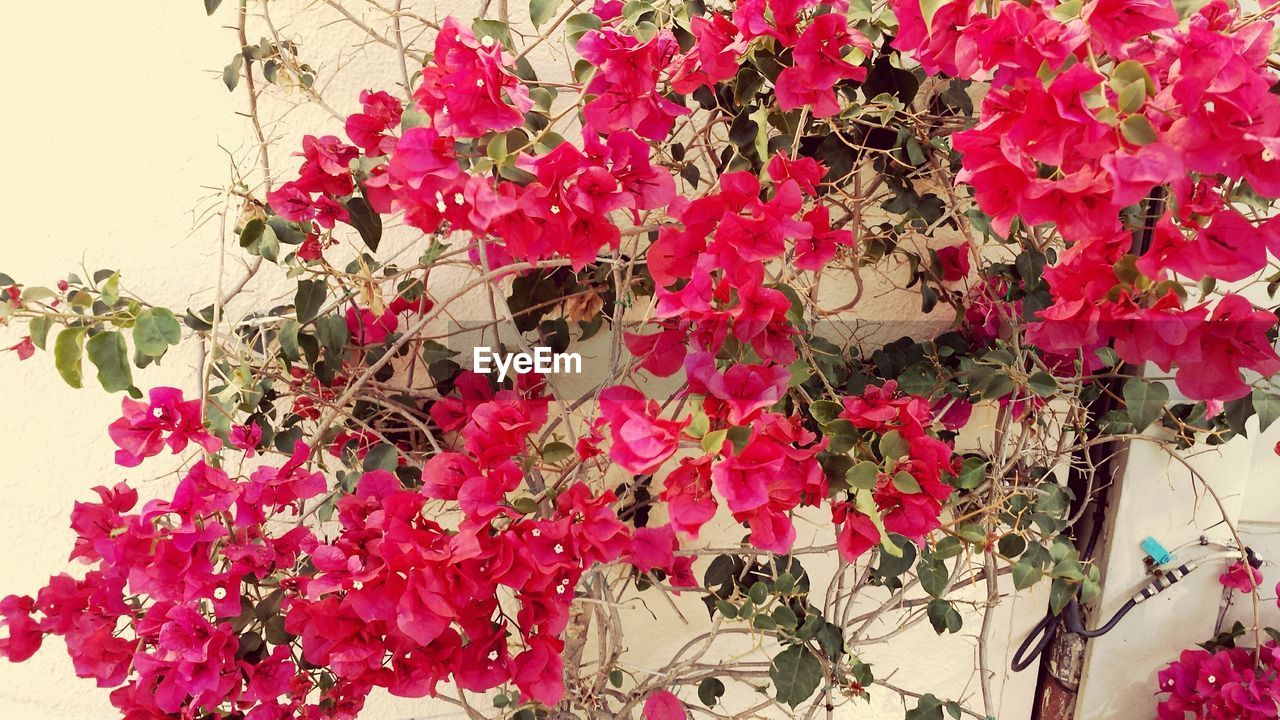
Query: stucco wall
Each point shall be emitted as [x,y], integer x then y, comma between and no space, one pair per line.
[117,129]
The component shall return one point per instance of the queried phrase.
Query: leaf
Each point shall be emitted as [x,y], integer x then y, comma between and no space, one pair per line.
[796,674]
[67,351]
[331,331]
[1042,384]
[433,351]
[713,441]
[541,11]
[933,576]
[381,457]
[710,690]
[555,452]
[973,471]
[580,24]
[1265,404]
[309,298]
[943,617]
[825,411]
[211,6]
[110,355]
[494,29]
[893,446]
[863,476]
[39,329]
[906,483]
[155,330]
[1137,130]
[1060,594]
[1144,401]
[1026,573]
[231,73]
[111,289]
[367,222]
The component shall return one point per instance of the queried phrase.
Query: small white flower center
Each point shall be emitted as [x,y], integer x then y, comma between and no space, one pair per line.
[219,593]
[487,41]
[493,654]
[1267,155]
[357,585]
[536,532]
[1212,679]
[157,412]
[480,82]
[458,199]
[555,209]
[559,548]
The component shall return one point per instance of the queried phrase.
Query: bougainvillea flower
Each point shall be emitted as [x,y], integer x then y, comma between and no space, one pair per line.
[641,440]
[167,419]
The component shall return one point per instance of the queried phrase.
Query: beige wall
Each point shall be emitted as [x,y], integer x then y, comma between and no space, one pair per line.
[118,134]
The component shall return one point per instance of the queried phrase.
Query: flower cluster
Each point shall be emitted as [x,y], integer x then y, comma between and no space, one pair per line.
[1101,107]
[1224,684]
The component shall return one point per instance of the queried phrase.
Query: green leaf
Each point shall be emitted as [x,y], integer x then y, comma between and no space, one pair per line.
[231,73]
[863,476]
[111,356]
[1137,130]
[713,441]
[67,351]
[433,351]
[331,331]
[1265,404]
[381,457]
[111,289]
[933,576]
[943,617]
[928,707]
[309,298]
[796,674]
[555,452]
[1060,594]
[155,330]
[211,6]
[580,24]
[541,11]
[824,411]
[39,330]
[1144,401]
[367,222]
[906,483]
[972,472]
[1042,384]
[710,690]
[1026,573]
[893,446]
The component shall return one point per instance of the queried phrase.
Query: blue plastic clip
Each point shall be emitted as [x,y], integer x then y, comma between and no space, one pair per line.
[1156,551]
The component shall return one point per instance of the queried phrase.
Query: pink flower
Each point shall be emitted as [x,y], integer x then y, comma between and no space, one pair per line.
[663,705]
[740,392]
[24,347]
[167,420]
[539,671]
[641,440]
[819,65]
[954,260]
[246,437]
[1241,576]
[687,493]
[713,57]
[467,89]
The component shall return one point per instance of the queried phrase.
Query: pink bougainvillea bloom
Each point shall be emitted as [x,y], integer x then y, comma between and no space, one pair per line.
[819,65]
[539,671]
[24,347]
[954,260]
[663,705]
[687,493]
[367,328]
[713,57]
[467,89]
[641,440]
[246,437]
[167,419]
[1241,576]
